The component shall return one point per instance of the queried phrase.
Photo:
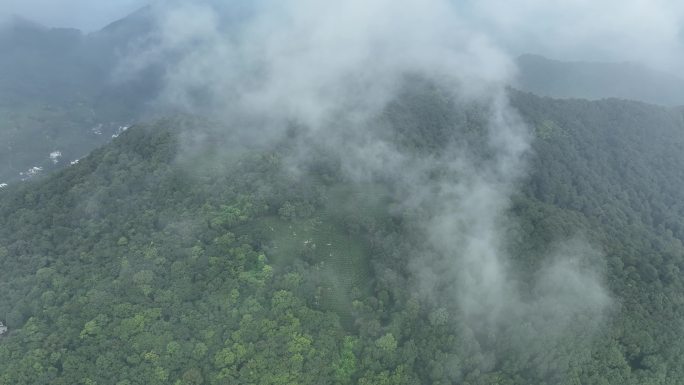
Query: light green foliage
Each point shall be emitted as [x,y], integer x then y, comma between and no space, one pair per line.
[91,328]
[245,276]
[387,343]
[224,358]
[347,365]
[547,129]
[438,317]
[199,351]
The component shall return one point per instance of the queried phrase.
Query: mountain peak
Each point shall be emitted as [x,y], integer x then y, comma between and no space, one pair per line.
[18,23]
[136,22]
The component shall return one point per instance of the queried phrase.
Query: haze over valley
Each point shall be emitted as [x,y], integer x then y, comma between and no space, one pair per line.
[359,192]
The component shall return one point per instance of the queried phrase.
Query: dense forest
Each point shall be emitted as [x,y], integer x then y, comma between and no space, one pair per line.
[150,262]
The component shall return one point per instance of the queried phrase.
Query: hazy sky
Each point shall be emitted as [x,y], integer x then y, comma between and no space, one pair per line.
[87,15]
[648,31]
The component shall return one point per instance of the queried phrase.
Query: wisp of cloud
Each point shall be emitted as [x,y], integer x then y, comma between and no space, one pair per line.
[266,64]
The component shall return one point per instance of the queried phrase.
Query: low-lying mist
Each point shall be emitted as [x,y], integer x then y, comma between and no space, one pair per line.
[335,71]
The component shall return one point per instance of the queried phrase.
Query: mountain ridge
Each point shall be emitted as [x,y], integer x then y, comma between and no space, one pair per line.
[598,80]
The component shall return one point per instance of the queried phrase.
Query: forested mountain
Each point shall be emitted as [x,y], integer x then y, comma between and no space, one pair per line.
[337,194]
[152,262]
[596,80]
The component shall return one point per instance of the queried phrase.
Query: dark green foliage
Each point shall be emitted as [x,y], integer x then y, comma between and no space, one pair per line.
[150,262]
[613,168]
[160,290]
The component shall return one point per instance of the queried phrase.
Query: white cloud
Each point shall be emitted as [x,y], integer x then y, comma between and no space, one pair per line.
[648,31]
[333,67]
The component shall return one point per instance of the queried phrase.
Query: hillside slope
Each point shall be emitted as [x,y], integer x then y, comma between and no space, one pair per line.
[59,92]
[151,263]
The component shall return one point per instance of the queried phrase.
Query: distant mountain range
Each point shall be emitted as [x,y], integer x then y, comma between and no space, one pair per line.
[594,80]
[61,90]
[62,66]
